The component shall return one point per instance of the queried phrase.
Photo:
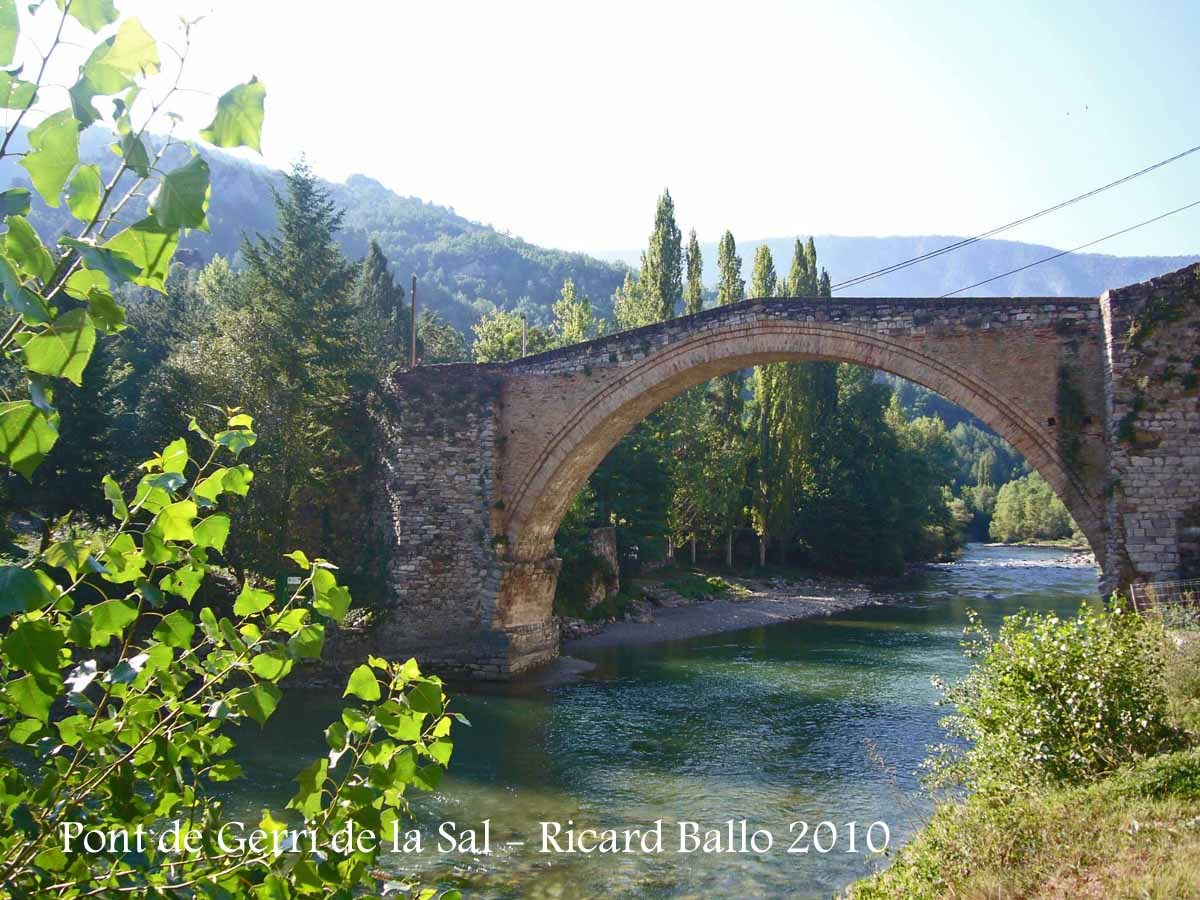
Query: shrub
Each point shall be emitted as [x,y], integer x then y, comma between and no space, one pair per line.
[699,587]
[1055,700]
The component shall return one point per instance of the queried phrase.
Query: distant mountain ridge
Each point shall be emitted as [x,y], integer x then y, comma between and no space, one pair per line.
[466,268]
[1074,275]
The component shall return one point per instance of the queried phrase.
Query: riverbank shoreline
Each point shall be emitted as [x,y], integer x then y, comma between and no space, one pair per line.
[767,601]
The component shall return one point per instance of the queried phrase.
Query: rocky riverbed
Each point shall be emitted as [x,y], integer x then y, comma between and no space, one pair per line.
[663,615]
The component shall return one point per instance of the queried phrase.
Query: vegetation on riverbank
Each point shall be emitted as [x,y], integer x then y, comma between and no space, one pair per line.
[1083,764]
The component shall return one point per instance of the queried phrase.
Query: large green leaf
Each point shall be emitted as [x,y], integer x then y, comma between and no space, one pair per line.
[112,67]
[10,30]
[21,591]
[259,702]
[239,118]
[15,93]
[53,153]
[116,267]
[26,249]
[33,645]
[110,619]
[92,14]
[151,247]
[251,600]
[31,696]
[63,348]
[26,436]
[363,684]
[83,193]
[134,152]
[182,198]
[175,630]
[106,314]
[212,532]
[174,521]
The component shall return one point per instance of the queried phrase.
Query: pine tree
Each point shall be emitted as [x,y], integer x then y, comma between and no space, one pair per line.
[693,300]
[383,317]
[574,319]
[661,276]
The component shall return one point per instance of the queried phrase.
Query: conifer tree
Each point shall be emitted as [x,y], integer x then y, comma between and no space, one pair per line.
[384,319]
[574,319]
[693,300]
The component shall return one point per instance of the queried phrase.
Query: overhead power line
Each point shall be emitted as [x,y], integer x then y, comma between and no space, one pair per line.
[904,264]
[1072,250]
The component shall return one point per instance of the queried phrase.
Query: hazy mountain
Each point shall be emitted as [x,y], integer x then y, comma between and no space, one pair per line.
[1082,274]
[464,267]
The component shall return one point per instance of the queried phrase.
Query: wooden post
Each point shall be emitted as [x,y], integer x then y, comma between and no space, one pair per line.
[412,360]
[524,332]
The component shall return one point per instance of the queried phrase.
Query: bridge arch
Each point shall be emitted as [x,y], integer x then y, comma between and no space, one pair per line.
[547,486]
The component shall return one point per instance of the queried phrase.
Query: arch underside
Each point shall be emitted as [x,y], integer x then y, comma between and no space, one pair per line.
[603,418]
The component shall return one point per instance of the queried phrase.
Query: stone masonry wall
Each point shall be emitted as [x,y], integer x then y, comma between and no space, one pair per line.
[1152,349]
[435,430]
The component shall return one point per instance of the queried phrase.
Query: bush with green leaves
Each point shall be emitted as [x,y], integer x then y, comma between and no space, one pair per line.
[118,690]
[1056,700]
[117,697]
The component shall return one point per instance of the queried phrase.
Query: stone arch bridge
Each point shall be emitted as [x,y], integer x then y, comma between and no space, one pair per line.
[478,463]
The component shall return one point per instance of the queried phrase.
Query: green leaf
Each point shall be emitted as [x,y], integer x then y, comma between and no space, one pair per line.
[29,306]
[104,311]
[312,784]
[112,67]
[174,456]
[174,521]
[31,697]
[83,193]
[63,348]
[239,118]
[363,684]
[427,698]
[69,555]
[24,731]
[331,599]
[241,420]
[259,701]
[135,154]
[271,666]
[251,601]
[112,493]
[54,152]
[82,282]
[182,198]
[110,619]
[14,202]
[115,266]
[92,14]
[150,247]
[299,558]
[26,249]
[212,532]
[10,30]
[184,581]
[307,643]
[236,441]
[15,93]
[26,436]
[225,770]
[175,630]
[441,750]
[33,645]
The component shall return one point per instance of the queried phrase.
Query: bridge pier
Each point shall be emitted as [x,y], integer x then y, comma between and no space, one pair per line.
[477,464]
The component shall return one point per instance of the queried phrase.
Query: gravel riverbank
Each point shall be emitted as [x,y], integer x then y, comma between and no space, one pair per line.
[767,601]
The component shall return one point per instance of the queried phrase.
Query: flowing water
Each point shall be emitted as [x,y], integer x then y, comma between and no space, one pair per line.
[817,721]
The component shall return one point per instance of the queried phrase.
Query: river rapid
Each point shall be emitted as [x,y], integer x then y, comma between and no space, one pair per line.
[825,720]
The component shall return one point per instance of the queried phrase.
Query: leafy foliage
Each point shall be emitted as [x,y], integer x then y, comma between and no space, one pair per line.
[1028,509]
[125,692]
[1059,701]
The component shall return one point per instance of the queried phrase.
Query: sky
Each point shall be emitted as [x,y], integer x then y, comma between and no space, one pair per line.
[561,122]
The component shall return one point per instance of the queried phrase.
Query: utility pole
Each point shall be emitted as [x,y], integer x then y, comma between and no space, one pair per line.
[524,332]
[412,360]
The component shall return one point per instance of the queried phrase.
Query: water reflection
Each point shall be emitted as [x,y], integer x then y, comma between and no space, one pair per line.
[770,724]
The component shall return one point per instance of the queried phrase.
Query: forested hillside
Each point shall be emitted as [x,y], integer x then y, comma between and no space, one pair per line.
[465,269]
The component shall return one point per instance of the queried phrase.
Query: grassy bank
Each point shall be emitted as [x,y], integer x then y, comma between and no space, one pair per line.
[1133,833]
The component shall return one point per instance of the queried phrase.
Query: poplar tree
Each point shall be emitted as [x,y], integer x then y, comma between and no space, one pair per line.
[574,319]
[661,277]
[731,288]
[693,299]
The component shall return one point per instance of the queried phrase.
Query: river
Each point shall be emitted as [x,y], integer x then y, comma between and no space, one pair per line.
[823,720]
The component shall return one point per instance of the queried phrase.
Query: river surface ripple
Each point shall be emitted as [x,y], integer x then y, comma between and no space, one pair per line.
[773,725]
